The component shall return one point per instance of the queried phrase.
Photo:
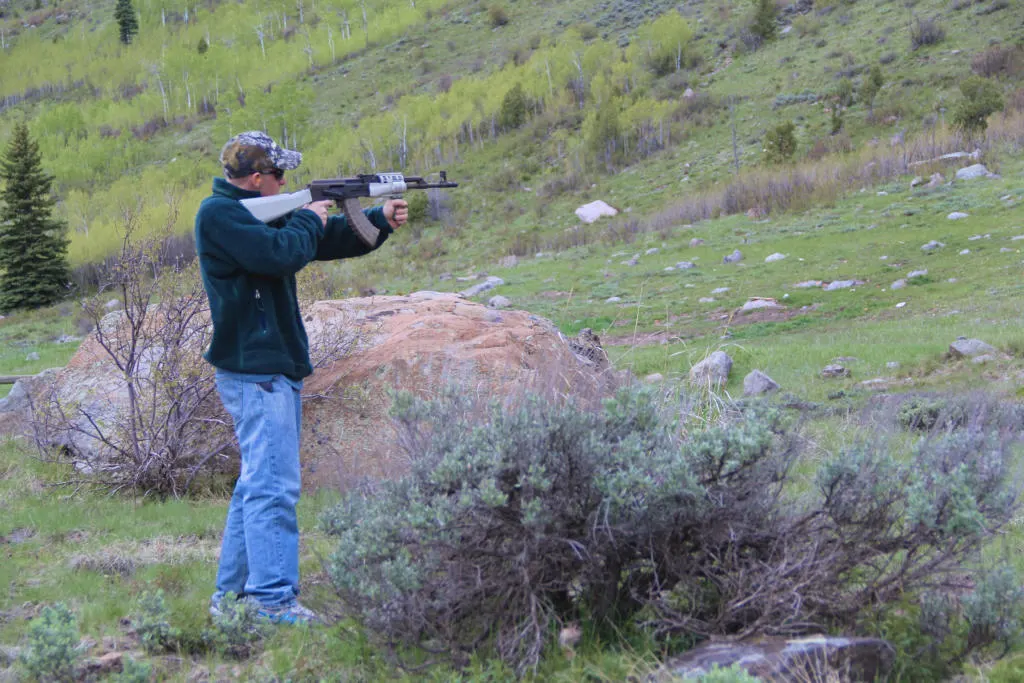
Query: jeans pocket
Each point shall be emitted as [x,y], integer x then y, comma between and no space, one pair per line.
[267,386]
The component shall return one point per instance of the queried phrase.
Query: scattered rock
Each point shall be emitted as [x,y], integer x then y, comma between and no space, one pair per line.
[1016,238]
[935,180]
[490,283]
[918,180]
[651,251]
[685,265]
[588,213]
[983,358]
[899,284]
[974,171]
[892,365]
[1005,250]
[969,348]
[842,284]
[613,300]
[735,257]
[444,277]
[974,238]
[498,302]
[933,245]
[917,273]
[696,242]
[813,658]
[835,370]
[774,257]
[807,284]
[706,300]
[712,370]
[688,93]
[760,303]
[32,356]
[631,262]
[957,215]
[901,304]
[720,290]
[757,383]
[112,305]
[654,378]
[965,252]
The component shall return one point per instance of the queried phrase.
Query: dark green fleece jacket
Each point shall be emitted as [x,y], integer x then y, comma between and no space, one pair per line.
[248,269]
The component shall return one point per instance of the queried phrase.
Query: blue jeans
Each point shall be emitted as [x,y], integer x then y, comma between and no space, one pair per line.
[259,556]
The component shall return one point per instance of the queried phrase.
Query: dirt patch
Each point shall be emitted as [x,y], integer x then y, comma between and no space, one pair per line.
[124,558]
[18,536]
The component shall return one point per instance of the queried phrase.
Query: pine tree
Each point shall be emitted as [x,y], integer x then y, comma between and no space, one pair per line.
[33,244]
[127,23]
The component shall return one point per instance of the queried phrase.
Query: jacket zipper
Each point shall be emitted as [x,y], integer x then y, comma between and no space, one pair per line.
[262,311]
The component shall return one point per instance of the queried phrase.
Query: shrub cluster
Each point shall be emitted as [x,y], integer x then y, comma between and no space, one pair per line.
[52,651]
[516,518]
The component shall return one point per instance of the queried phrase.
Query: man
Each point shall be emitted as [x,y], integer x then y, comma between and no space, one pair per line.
[261,354]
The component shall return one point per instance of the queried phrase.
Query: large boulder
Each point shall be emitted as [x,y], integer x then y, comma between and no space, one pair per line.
[421,342]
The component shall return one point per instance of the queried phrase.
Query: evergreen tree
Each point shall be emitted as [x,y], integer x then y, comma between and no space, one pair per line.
[763,24]
[127,24]
[33,244]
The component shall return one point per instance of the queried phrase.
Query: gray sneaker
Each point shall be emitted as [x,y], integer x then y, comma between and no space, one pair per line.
[216,606]
[295,613]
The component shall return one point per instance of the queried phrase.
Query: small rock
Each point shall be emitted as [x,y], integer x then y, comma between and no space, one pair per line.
[631,262]
[498,302]
[842,284]
[757,383]
[490,283]
[957,215]
[971,172]
[685,265]
[983,358]
[1016,238]
[1006,250]
[32,356]
[654,378]
[951,280]
[835,370]
[113,304]
[720,290]
[965,252]
[916,181]
[774,257]
[974,238]
[935,180]
[613,300]
[901,304]
[651,251]
[969,348]
[917,273]
[760,304]
[883,258]
[706,300]
[444,276]
[735,257]
[713,369]
[696,242]
[933,245]
[588,213]
[807,284]
[892,365]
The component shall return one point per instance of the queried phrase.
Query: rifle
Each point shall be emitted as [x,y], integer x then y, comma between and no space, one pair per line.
[346,193]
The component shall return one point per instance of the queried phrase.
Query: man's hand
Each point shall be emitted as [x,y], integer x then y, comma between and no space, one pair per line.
[320,209]
[397,212]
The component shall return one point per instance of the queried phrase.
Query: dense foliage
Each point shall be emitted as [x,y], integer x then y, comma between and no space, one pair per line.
[521,517]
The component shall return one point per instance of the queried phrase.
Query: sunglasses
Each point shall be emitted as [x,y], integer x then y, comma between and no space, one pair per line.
[277,173]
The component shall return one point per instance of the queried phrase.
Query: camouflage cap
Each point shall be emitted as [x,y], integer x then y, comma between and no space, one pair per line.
[253,152]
